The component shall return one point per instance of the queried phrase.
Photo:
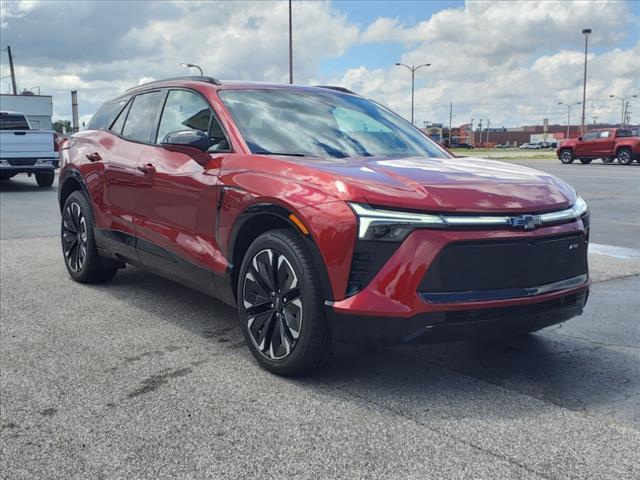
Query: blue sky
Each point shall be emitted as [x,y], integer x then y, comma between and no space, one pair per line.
[510,61]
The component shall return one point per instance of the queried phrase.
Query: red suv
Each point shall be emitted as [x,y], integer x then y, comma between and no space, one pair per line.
[607,144]
[321,215]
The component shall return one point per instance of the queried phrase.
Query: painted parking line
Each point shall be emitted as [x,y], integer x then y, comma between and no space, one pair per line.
[613,251]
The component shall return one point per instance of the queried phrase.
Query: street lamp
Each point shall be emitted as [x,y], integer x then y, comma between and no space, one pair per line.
[586,32]
[192,65]
[623,100]
[569,105]
[413,69]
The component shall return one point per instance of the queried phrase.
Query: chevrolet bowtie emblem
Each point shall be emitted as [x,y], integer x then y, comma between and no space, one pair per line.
[526,222]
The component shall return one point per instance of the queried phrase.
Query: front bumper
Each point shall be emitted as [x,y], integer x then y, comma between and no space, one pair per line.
[393,306]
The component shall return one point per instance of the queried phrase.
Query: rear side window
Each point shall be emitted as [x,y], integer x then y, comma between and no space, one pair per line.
[184,111]
[142,116]
[13,122]
[119,123]
[105,116]
[624,133]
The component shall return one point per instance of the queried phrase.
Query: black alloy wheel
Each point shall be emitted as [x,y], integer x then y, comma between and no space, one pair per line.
[272,303]
[281,304]
[78,243]
[74,236]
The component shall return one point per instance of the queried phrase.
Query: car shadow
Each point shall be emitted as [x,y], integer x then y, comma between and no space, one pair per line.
[447,379]
[22,183]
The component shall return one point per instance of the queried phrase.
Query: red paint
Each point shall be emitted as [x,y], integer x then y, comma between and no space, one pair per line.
[177,205]
[602,143]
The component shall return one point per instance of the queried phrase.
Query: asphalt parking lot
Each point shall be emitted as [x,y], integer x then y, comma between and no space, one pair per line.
[141,378]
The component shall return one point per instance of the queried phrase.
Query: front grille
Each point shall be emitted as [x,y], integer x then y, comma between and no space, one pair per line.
[368,258]
[506,264]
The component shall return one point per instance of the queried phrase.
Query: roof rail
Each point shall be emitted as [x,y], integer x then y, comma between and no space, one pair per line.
[212,80]
[338,89]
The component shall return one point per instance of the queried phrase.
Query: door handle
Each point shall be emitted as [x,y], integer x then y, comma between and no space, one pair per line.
[147,168]
[94,157]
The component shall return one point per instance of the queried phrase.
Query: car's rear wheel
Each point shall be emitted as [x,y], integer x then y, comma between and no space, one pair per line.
[281,305]
[586,160]
[45,179]
[78,242]
[566,156]
[624,156]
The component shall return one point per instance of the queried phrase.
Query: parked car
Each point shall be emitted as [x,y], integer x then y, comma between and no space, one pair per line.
[463,145]
[530,146]
[320,216]
[25,150]
[546,145]
[502,145]
[606,143]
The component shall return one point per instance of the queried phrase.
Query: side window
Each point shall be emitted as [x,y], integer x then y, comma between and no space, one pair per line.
[624,133]
[106,114]
[184,111]
[604,134]
[589,136]
[142,115]
[119,123]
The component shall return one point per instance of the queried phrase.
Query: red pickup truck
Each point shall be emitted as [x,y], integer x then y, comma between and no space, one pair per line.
[606,143]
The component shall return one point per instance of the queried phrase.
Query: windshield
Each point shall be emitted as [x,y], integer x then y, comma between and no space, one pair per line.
[323,124]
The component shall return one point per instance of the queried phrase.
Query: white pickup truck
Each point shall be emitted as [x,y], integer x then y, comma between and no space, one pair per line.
[23,150]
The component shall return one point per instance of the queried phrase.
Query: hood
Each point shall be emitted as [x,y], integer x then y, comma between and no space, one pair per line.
[450,184]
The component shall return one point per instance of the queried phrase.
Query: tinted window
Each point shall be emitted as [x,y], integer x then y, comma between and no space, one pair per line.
[184,111]
[142,116]
[624,133]
[119,123]
[590,136]
[13,122]
[106,114]
[323,124]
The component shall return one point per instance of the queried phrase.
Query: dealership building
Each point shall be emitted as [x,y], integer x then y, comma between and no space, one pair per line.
[37,108]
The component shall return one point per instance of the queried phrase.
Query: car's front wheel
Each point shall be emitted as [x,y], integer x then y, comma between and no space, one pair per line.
[624,156]
[566,156]
[78,242]
[281,305]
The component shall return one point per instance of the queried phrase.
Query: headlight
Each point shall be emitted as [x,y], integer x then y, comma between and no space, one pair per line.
[391,226]
[580,207]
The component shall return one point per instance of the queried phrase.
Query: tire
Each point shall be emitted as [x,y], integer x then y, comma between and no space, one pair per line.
[608,160]
[624,156]
[586,161]
[284,325]
[566,156]
[45,179]
[78,242]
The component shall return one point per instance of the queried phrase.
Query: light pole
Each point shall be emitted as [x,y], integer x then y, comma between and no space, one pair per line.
[192,65]
[623,100]
[290,45]
[586,32]
[413,69]
[569,105]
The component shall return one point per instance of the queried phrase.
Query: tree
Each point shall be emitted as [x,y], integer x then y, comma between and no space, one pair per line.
[58,126]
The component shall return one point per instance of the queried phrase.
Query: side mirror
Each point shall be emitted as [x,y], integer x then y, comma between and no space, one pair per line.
[188,138]
[580,139]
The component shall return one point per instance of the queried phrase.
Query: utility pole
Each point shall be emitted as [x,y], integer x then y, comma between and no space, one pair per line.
[569,105]
[480,128]
[290,46]
[473,140]
[450,119]
[586,32]
[74,111]
[13,72]
[625,106]
[488,125]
